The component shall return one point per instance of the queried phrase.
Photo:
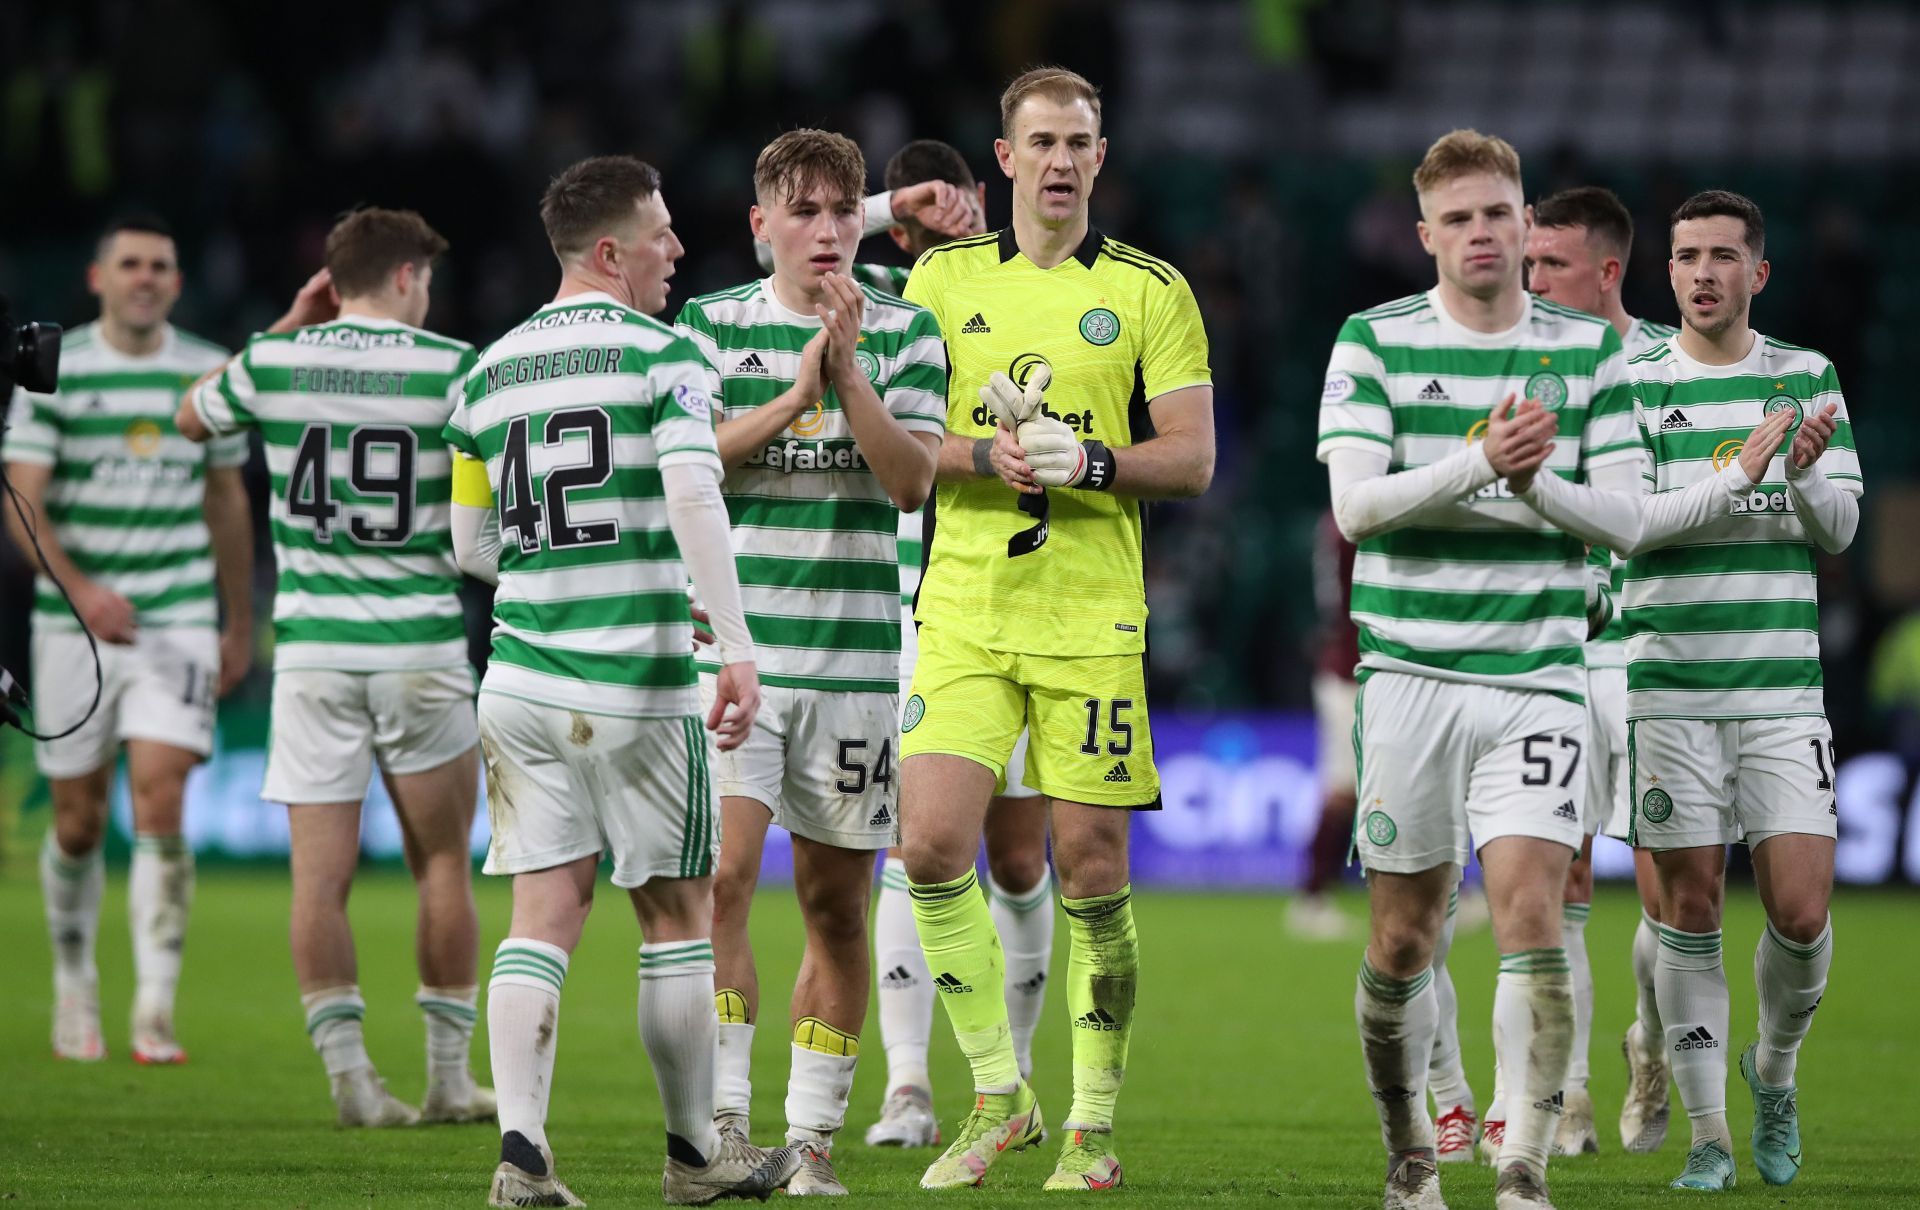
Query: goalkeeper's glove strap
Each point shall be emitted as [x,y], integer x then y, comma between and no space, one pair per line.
[1100,467]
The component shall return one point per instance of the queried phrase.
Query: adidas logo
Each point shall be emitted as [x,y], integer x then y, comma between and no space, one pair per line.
[1038,983]
[1565,811]
[947,982]
[1393,1093]
[1098,1019]
[751,364]
[1698,1039]
[1119,772]
[1555,1104]
[1676,419]
[977,326]
[1433,392]
[1806,1012]
[899,977]
[881,818]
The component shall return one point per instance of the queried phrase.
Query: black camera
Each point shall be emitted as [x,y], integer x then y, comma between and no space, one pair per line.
[29,355]
[30,358]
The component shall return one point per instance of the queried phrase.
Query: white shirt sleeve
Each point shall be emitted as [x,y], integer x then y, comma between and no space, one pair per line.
[1367,501]
[476,542]
[1603,512]
[1828,512]
[697,513]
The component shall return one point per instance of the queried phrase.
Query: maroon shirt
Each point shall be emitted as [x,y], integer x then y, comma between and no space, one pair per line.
[1339,640]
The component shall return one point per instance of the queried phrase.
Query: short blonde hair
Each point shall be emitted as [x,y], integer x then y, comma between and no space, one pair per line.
[1459,153]
[1056,84]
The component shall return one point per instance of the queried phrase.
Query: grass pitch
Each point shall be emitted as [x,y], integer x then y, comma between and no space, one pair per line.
[1245,1086]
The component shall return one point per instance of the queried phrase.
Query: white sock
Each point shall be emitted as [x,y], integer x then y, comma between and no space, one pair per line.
[159,895]
[1396,1034]
[1692,984]
[905,983]
[71,888]
[1024,920]
[1646,956]
[1791,979]
[523,1031]
[733,1069]
[677,1028]
[817,1091]
[1573,936]
[333,1022]
[1446,1075]
[450,1015]
[1532,1032]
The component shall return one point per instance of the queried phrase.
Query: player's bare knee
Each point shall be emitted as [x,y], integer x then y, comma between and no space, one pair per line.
[733,888]
[1690,907]
[934,858]
[1800,921]
[1017,870]
[78,835]
[1087,874]
[1401,948]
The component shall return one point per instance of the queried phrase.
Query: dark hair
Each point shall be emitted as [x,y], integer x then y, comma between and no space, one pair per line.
[366,246]
[928,160]
[594,196]
[145,222]
[1598,210]
[800,160]
[1714,202]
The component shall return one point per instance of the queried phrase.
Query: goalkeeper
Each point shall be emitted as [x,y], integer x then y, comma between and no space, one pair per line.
[1089,363]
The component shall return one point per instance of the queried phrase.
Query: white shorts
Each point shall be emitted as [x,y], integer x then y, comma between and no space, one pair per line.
[161,687]
[1609,806]
[1447,767]
[1333,698]
[825,764]
[1699,782]
[1017,786]
[562,785]
[328,727]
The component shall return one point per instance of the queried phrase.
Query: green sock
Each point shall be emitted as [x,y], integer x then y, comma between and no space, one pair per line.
[963,952]
[1103,967]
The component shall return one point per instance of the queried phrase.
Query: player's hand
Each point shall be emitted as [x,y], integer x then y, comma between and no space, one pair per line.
[316,303]
[105,612]
[1811,441]
[702,627]
[1009,461]
[940,207]
[1013,403]
[1517,443]
[840,317]
[736,701]
[1756,455]
[810,381]
[236,656]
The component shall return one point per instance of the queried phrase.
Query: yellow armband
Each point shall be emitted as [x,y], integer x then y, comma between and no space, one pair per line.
[470,486]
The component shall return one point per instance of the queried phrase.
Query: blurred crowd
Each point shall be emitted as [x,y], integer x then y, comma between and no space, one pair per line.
[251,127]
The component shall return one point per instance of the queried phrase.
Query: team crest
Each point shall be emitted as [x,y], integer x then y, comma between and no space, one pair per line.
[1656,806]
[915,711]
[1380,828]
[1549,388]
[869,365]
[143,438]
[1100,326]
[1786,403]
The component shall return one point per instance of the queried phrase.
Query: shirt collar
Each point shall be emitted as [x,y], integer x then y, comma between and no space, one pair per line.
[1086,253]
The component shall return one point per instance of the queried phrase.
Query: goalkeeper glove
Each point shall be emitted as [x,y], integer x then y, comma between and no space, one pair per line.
[1011,403]
[1057,456]
[1060,459]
